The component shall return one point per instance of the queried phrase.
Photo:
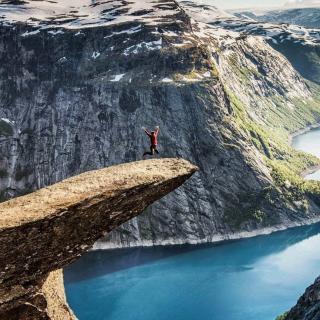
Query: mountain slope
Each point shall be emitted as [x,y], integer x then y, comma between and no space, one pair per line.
[76,88]
[305,17]
[294,33]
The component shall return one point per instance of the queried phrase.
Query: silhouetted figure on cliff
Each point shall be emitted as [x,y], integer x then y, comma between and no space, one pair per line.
[153,135]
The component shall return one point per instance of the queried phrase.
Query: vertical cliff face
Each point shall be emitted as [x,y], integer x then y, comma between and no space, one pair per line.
[76,88]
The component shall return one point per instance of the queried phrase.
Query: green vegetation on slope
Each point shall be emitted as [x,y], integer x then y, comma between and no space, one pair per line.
[286,163]
[243,73]
[282,317]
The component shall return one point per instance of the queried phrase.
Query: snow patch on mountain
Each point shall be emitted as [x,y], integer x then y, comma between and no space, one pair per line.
[243,26]
[135,49]
[306,17]
[6,120]
[118,77]
[75,14]
[204,13]
[271,31]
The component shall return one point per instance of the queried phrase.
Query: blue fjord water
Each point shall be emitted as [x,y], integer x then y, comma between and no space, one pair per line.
[251,279]
[310,142]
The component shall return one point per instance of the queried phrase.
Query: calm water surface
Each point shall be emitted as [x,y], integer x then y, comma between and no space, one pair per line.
[252,279]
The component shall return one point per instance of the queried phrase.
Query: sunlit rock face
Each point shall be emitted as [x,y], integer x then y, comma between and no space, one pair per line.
[78,80]
[50,228]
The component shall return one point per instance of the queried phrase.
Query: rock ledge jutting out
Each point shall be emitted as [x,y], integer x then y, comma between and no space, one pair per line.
[42,232]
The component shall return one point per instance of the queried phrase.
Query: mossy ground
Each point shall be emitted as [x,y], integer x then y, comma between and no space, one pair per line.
[249,208]
[282,317]
[243,73]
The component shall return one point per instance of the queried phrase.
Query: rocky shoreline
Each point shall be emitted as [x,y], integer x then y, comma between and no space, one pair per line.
[302,131]
[310,170]
[297,133]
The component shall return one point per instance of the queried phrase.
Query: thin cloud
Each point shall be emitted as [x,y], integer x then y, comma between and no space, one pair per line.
[302,3]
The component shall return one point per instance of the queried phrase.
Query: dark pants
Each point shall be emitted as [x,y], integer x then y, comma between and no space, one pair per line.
[153,149]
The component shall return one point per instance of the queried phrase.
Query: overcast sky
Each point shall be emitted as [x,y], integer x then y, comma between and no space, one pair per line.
[234,4]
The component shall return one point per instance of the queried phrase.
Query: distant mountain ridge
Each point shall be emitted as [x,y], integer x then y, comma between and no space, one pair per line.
[299,44]
[305,17]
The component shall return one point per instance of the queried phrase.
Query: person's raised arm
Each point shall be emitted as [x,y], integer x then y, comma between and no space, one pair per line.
[157,130]
[146,131]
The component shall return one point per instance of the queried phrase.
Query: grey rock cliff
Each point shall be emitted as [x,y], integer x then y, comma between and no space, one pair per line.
[73,97]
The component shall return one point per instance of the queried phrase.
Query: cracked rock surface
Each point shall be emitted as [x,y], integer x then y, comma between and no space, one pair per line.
[42,232]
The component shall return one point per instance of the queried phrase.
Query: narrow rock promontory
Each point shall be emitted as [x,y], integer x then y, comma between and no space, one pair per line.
[42,232]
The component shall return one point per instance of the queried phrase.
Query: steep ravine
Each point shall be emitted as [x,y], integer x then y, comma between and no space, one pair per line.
[74,95]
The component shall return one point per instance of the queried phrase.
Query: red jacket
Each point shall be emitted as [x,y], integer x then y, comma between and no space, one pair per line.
[153,137]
